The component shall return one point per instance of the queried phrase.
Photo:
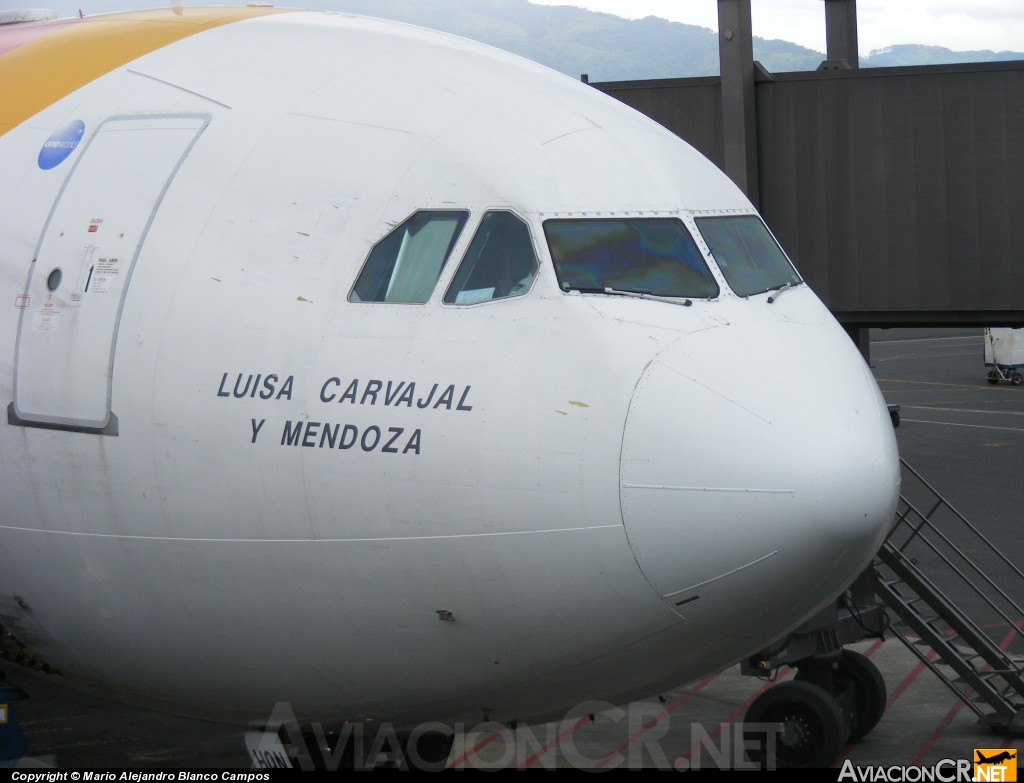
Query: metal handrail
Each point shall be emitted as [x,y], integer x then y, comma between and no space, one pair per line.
[1006,561]
[1000,680]
[966,579]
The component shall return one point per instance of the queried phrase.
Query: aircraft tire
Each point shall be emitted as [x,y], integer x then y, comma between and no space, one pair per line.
[864,705]
[813,726]
[869,692]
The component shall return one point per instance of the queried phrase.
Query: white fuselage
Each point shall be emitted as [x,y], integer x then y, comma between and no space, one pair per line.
[224,485]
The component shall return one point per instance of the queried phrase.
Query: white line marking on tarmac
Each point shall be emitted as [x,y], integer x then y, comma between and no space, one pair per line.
[961,410]
[927,339]
[971,426]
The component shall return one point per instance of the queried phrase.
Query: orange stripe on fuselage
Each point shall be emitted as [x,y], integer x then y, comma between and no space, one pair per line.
[15,35]
[49,60]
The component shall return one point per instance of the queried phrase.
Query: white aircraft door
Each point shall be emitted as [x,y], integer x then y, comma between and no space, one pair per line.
[78,281]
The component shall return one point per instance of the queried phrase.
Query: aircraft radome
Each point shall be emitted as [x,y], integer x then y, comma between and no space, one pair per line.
[382,373]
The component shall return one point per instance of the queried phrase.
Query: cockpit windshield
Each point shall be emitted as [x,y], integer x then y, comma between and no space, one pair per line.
[747,254]
[654,256]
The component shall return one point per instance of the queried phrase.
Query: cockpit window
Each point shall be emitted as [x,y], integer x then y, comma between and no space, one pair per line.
[747,254]
[644,255]
[404,265]
[500,262]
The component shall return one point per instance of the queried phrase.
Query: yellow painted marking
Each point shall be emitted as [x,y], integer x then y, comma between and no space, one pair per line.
[578,404]
[43,70]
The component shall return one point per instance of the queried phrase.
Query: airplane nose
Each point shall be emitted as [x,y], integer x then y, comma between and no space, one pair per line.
[759,469]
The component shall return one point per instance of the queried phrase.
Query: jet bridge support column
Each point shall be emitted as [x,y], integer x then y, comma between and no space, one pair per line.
[739,121]
[841,35]
[861,337]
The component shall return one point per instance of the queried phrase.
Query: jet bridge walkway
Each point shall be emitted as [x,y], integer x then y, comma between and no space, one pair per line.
[955,602]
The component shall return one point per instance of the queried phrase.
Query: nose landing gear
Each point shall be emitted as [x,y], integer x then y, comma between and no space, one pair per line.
[858,687]
[837,695]
[825,706]
[812,727]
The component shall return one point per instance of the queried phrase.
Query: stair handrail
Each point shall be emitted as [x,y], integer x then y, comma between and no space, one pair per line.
[964,696]
[956,569]
[961,517]
[961,624]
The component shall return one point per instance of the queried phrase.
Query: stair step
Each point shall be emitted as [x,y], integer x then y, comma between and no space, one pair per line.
[933,620]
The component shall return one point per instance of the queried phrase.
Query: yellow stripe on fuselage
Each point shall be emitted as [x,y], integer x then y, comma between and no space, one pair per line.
[43,70]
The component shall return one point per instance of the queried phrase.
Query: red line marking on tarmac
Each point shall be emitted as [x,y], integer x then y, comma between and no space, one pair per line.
[1011,739]
[958,705]
[904,684]
[990,626]
[583,722]
[480,746]
[729,718]
[873,648]
[576,727]
[939,729]
[650,724]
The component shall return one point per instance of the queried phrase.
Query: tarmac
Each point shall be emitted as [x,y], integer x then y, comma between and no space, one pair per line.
[964,435]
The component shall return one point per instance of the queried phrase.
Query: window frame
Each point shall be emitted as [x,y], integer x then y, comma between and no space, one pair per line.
[477,227]
[463,219]
[723,269]
[694,241]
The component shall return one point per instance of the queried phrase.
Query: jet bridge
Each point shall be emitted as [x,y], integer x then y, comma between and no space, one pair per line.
[940,587]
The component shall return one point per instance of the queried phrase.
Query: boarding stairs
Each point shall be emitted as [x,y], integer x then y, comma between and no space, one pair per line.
[955,601]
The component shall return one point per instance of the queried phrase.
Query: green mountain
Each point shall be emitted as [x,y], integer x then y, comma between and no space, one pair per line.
[576,41]
[932,55]
[570,40]
[608,48]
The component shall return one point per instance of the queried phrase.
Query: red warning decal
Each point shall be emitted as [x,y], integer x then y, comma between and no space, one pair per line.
[94,225]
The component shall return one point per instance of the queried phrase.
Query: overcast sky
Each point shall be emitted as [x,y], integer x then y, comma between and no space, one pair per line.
[961,25]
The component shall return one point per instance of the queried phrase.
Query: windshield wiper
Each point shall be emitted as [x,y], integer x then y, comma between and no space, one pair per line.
[644,295]
[778,291]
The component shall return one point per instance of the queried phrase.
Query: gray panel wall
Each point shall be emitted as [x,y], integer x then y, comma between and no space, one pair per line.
[899,193]
[690,108]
